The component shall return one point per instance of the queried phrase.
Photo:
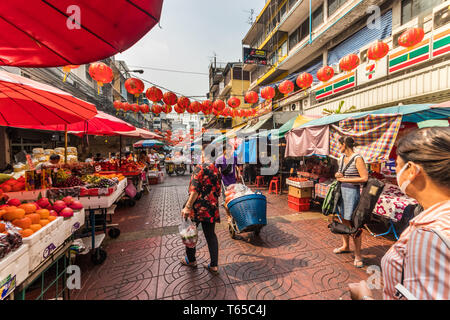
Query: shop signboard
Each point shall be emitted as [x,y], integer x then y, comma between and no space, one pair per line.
[7,286]
[371,70]
[338,83]
[441,31]
[401,58]
[254,56]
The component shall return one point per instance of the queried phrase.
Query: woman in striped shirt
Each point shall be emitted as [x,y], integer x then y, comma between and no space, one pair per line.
[352,173]
[420,259]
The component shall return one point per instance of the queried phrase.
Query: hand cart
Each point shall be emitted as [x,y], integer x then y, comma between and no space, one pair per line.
[247,214]
[96,220]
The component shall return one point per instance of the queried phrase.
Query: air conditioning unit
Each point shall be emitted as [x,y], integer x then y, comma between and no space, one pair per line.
[296,106]
[306,104]
[336,68]
[441,15]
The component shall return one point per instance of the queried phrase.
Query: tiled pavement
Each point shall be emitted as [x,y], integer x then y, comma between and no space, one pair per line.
[292,258]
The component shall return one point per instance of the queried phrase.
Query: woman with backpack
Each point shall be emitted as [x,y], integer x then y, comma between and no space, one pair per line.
[419,260]
[352,173]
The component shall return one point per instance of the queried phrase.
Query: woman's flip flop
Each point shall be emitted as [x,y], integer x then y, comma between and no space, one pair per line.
[186,262]
[208,267]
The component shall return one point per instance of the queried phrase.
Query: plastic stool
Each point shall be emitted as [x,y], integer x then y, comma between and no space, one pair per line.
[276,182]
[259,181]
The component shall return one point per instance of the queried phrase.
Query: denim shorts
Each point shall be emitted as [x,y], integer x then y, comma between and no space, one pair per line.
[349,201]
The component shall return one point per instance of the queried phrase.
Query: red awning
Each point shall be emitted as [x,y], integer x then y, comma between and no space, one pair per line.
[102,124]
[55,33]
[24,102]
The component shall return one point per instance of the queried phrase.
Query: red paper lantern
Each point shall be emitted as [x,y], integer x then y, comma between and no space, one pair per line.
[219,105]
[67,69]
[251,97]
[170,98]
[154,94]
[167,108]
[206,106]
[286,87]
[216,112]
[411,37]
[126,106]
[248,112]
[254,112]
[304,80]
[101,73]
[349,62]
[184,102]
[117,105]
[325,73]
[227,112]
[377,51]
[156,109]
[135,107]
[196,107]
[134,86]
[143,108]
[234,102]
[268,93]
[178,109]
[147,108]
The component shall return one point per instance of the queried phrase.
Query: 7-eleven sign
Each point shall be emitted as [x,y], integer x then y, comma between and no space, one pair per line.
[371,70]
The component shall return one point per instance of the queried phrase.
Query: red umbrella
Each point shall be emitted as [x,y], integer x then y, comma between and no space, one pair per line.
[25,102]
[63,32]
[102,124]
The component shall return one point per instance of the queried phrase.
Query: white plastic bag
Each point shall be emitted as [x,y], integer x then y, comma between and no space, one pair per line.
[188,233]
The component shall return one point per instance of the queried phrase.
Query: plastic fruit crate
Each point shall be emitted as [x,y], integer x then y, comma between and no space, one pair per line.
[299,207]
[299,201]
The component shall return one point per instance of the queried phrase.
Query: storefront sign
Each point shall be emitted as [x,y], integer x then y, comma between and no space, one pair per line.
[293,98]
[441,35]
[264,108]
[402,58]
[254,56]
[371,71]
[338,83]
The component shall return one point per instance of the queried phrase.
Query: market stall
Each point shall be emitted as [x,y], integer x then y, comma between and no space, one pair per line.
[376,133]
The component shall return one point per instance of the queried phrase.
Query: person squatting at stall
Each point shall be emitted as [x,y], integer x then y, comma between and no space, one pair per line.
[352,173]
[420,259]
[202,208]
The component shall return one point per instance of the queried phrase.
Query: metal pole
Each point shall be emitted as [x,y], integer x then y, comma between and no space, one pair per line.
[310,23]
[120,150]
[65,144]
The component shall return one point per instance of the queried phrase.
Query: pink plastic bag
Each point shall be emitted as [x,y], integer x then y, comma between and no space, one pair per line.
[130,190]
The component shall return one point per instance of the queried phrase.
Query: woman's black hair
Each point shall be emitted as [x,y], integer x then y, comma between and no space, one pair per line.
[348,142]
[429,148]
[55,157]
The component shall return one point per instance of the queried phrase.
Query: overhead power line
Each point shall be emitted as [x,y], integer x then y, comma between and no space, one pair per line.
[171,70]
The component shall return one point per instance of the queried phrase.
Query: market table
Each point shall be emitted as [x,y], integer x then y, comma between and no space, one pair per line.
[104,205]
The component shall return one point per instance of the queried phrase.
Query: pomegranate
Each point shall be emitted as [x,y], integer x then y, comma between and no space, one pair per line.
[68,200]
[59,205]
[66,213]
[14,202]
[43,203]
[76,205]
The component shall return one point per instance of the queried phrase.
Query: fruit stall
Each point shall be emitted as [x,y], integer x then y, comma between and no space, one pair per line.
[31,233]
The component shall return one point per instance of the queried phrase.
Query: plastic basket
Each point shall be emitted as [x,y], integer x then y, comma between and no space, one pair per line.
[249,211]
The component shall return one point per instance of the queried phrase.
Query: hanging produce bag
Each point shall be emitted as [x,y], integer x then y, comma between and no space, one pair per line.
[188,233]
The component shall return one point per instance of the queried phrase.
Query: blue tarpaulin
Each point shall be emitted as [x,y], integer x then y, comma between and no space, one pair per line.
[246,152]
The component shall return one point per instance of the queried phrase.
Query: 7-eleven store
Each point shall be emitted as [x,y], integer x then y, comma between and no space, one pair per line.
[420,74]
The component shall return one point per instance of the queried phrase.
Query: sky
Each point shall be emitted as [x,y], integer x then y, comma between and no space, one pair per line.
[191,32]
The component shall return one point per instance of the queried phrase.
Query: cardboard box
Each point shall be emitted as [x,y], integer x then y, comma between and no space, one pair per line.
[300,192]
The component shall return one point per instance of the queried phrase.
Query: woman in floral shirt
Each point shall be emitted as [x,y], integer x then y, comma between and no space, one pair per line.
[203,208]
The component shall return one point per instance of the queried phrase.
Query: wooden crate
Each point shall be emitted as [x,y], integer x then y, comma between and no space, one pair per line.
[300,192]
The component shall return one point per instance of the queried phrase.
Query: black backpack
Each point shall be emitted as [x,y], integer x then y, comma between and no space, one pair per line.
[361,216]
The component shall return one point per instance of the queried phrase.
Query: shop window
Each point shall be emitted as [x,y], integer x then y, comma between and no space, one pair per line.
[283,50]
[333,5]
[317,17]
[413,8]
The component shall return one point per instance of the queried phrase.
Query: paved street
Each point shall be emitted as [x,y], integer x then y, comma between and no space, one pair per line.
[292,258]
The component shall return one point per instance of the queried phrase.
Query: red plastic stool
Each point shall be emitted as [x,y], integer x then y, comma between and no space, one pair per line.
[259,181]
[275,181]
